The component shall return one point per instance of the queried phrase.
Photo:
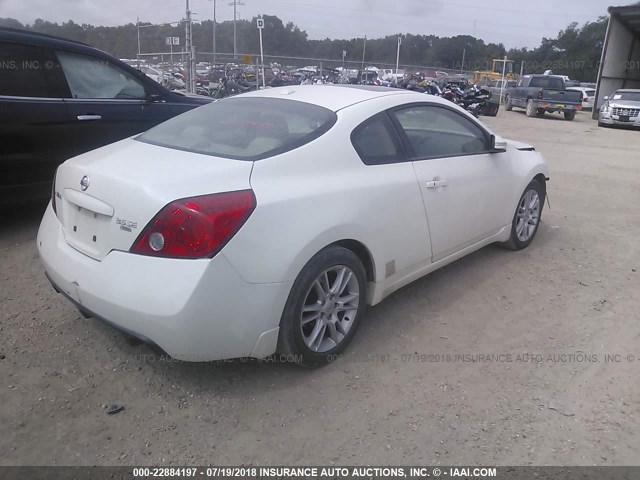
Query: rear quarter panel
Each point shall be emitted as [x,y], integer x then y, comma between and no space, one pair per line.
[321,193]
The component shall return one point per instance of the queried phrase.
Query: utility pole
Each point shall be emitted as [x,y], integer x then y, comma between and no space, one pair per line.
[214,32]
[398,59]
[364,49]
[504,67]
[138,27]
[464,51]
[188,45]
[235,4]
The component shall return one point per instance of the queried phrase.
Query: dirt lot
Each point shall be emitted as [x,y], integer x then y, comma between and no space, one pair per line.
[570,299]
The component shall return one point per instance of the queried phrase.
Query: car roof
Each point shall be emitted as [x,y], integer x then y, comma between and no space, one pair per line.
[17,34]
[13,35]
[333,97]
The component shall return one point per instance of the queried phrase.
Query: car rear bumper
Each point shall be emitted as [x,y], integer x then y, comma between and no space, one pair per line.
[195,310]
[556,106]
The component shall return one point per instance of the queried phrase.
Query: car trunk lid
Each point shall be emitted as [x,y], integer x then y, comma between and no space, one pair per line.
[106,197]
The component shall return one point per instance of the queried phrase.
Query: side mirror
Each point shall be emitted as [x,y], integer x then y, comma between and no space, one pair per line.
[498,144]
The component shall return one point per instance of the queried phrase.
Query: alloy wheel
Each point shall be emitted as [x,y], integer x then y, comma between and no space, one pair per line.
[528,215]
[330,308]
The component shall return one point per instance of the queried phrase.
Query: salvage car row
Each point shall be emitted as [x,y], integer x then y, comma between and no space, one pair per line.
[284,212]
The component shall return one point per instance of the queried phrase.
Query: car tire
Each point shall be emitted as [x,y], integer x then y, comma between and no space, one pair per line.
[604,125]
[315,337]
[540,112]
[529,208]
[508,106]
[569,115]
[530,111]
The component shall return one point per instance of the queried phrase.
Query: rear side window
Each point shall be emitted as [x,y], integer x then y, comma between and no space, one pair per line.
[248,128]
[22,71]
[552,83]
[90,77]
[376,141]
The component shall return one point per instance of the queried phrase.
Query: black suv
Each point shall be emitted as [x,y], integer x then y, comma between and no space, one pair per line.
[60,98]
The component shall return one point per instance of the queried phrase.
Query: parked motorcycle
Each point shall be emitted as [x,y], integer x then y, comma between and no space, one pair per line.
[229,86]
[475,100]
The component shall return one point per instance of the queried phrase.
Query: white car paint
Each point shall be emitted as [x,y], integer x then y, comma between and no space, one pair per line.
[588,96]
[154,74]
[307,198]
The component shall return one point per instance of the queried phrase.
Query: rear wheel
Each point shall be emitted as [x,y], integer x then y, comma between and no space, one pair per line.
[527,218]
[508,106]
[569,115]
[530,111]
[324,307]
[540,112]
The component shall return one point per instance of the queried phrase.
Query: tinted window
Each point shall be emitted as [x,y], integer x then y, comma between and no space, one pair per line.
[376,142]
[243,128]
[22,71]
[553,83]
[90,77]
[439,132]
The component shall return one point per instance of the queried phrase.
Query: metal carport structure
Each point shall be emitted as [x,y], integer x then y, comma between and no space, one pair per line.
[620,61]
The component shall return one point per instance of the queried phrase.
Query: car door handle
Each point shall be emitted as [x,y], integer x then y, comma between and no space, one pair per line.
[436,183]
[89,117]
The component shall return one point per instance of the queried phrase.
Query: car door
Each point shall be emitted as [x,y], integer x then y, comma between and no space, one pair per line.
[33,120]
[106,102]
[518,93]
[466,189]
[402,233]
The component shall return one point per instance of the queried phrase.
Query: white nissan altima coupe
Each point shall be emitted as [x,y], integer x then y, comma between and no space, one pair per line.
[267,222]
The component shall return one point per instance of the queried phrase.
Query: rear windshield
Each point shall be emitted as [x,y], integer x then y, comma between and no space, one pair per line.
[552,83]
[243,128]
[630,96]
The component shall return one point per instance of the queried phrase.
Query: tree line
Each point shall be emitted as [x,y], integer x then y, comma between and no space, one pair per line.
[574,52]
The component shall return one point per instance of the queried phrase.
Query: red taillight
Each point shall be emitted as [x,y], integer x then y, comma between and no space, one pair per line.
[196,227]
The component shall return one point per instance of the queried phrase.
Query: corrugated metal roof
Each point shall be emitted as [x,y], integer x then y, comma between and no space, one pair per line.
[629,15]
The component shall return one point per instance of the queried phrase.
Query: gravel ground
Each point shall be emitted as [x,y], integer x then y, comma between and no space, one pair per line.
[394,397]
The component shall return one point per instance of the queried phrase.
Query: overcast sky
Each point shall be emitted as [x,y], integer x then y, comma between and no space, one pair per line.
[516,24]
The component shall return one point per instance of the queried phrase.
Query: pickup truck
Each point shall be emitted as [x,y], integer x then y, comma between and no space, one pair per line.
[543,93]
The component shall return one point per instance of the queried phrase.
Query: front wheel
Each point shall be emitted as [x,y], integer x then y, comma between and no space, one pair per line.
[324,307]
[526,220]
[508,106]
